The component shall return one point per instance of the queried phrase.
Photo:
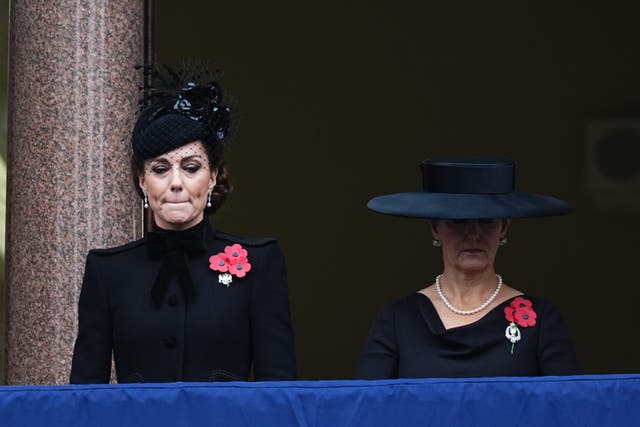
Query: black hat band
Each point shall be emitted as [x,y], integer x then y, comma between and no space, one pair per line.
[468,178]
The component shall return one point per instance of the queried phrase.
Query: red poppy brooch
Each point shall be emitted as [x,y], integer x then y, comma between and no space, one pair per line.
[232,262]
[518,313]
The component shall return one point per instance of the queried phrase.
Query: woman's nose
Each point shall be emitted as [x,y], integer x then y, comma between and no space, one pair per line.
[474,228]
[176,180]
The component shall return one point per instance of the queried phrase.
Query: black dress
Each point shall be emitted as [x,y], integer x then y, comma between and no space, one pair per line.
[408,340]
[161,310]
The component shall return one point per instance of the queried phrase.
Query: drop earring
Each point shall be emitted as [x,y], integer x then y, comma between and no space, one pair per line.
[146,201]
[209,199]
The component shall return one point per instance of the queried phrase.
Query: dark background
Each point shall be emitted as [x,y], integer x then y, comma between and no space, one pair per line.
[338,101]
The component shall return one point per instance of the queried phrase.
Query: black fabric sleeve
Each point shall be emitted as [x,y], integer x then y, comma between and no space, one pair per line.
[556,355]
[272,333]
[379,358]
[92,352]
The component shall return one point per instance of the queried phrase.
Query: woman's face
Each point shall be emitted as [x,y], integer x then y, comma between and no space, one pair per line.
[177,184]
[469,244]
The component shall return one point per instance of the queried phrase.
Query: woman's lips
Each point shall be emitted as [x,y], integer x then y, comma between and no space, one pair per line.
[473,250]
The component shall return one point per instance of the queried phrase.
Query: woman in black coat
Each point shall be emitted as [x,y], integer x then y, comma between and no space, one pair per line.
[187,302]
[468,322]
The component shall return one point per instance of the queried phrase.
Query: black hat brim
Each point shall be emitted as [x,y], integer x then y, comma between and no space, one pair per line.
[468,206]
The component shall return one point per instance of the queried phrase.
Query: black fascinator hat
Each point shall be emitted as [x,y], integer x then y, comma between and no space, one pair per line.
[180,105]
[468,188]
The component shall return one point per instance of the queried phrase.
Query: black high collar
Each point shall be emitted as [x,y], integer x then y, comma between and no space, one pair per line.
[173,247]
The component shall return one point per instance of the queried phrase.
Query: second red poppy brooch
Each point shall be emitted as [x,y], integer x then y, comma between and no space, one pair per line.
[518,313]
[232,262]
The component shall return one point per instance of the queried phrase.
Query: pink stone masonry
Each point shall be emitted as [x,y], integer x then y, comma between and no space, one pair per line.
[72,101]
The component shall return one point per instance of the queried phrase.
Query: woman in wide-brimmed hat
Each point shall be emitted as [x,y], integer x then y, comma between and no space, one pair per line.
[468,323]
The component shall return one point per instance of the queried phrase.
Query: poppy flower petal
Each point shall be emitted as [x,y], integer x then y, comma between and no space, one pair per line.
[235,251]
[520,302]
[508,313]
[525,317]
[240,269]
[219,262]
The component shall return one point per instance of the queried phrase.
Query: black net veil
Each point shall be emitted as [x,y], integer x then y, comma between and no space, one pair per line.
[180,134]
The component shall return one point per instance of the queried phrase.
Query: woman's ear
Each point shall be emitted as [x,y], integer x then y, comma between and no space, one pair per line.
[505,226]
[141,184]
[434,228]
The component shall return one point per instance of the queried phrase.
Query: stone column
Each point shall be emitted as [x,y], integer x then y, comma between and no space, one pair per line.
[72,99]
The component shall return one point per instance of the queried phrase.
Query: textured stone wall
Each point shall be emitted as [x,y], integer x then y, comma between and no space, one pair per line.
[72,101]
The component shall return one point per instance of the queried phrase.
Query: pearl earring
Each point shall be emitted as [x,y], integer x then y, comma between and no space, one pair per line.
[437,243]
[146,201]
[209,199]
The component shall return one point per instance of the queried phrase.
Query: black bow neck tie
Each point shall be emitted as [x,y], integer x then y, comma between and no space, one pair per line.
[161,242]
[173,247]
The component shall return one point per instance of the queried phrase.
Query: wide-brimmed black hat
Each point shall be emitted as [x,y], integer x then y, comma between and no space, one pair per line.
[468,188]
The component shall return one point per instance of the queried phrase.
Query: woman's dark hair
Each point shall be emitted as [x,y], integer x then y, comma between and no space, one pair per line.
[179,106]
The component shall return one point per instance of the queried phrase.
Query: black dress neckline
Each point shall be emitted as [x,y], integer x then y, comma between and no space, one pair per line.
[433,320]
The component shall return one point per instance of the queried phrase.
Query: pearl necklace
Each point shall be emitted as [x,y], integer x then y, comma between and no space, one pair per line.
[472,311]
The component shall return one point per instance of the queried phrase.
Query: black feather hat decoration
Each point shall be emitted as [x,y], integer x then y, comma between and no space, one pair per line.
[179,105]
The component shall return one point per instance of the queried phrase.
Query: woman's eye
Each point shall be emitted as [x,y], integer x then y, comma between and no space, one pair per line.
[192,168]
[159,169]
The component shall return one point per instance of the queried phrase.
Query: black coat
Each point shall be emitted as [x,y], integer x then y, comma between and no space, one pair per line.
[217,333]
